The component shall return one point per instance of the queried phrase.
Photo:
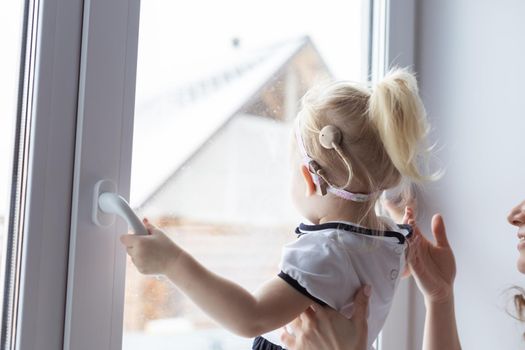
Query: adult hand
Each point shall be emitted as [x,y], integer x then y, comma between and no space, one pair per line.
[324,328]
[432,264]
[152,254]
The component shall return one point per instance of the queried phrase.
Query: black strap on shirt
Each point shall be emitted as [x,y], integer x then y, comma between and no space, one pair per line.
[304,229]
[295,285]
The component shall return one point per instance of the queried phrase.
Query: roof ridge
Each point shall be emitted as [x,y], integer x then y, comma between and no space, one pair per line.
[200,88]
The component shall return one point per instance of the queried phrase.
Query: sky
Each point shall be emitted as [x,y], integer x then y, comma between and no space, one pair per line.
[173,32]
[203,26]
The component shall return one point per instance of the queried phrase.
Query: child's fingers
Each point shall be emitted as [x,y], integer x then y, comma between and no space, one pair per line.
[131,253]
[128,240]
[149,226]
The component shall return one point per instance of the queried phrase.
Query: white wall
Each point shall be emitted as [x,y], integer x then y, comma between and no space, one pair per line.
[470,56]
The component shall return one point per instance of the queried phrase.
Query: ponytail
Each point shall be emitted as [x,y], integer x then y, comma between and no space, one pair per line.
[399,116]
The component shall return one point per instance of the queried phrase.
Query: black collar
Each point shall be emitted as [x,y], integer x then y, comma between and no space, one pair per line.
[304,229]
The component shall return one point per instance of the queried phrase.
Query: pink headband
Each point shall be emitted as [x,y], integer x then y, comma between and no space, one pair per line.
[313,166]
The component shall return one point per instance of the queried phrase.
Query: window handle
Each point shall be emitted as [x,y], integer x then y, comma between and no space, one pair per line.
[107,204]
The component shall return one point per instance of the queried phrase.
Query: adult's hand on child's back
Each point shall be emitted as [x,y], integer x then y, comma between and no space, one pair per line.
[432,264]
[324,328]
[152,254]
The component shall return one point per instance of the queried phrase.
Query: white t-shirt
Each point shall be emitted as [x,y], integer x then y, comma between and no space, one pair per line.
[330,261]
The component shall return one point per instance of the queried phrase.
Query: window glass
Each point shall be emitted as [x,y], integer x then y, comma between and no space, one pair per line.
[218,85]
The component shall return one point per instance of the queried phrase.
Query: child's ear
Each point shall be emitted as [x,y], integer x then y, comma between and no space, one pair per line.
[308,180]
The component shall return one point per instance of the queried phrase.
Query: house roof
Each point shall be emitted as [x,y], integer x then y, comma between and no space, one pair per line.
[239,177]
[173,122]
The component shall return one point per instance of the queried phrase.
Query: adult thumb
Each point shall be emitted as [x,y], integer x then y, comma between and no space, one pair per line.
[439,231]
[361,300]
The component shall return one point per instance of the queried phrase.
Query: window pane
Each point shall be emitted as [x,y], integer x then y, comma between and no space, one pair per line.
[217,90]
[11,146]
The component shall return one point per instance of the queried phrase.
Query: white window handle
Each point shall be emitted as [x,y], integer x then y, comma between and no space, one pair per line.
[107,204]
[112,203]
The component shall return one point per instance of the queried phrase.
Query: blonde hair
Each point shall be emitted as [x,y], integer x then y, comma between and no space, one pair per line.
[384,130]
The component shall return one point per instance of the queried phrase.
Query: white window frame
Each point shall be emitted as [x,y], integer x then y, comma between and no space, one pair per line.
[50,103]
[73,272]
[81,65]
[393,31]
[96,276]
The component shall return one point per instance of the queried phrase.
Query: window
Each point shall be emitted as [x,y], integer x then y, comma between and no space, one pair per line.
[217,91]
[39,69]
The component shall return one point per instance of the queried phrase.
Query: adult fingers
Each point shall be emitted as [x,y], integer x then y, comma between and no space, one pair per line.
[439,231]
[361,299]
[308,315]
[296,324]
[288,339]
[416,232]
[417,265]
[406,271]
[321,313]
[409,214]
[308,320]
[414,243]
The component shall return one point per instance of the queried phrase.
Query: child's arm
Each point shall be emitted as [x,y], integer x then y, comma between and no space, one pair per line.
[272,306]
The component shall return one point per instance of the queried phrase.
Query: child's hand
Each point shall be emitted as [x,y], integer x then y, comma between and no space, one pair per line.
[153,254]
[432,264]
